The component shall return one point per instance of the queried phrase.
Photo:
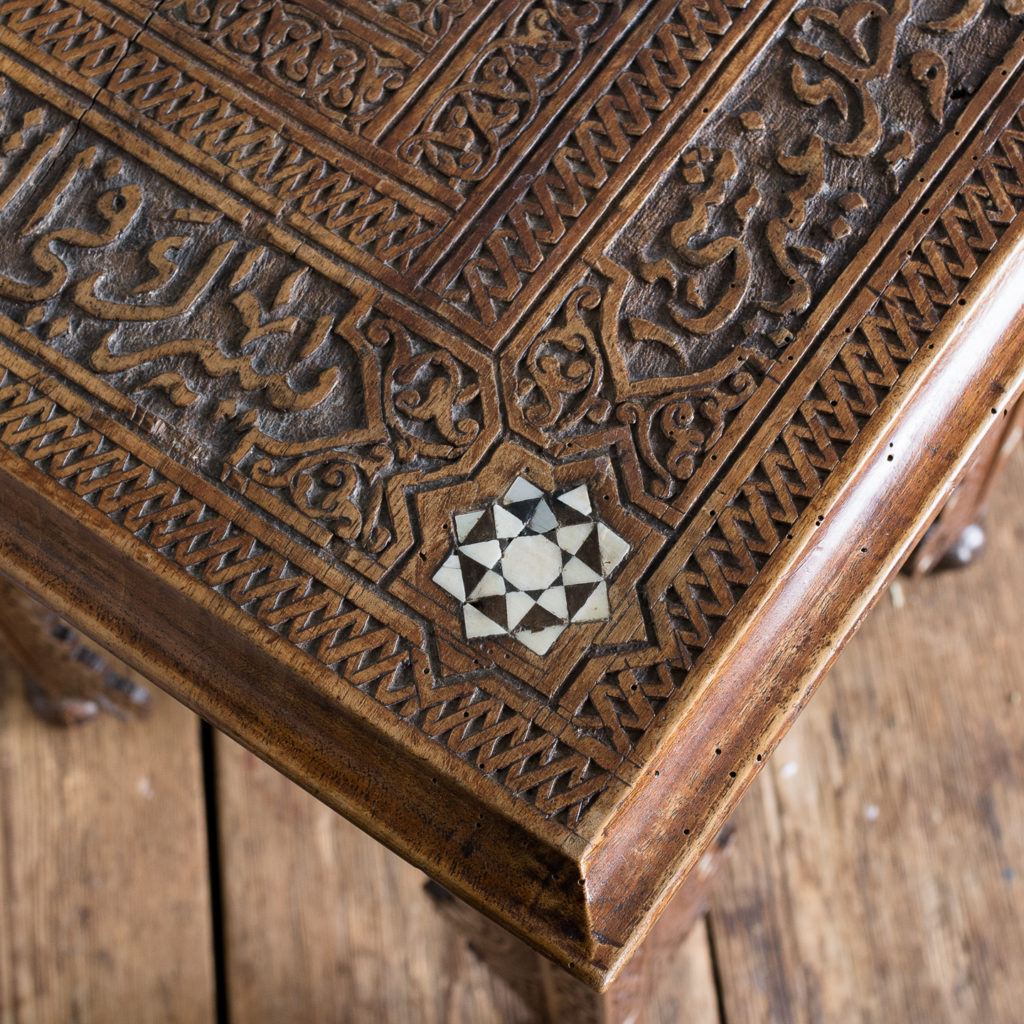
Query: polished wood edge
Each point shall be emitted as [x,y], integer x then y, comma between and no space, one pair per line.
[555,997]
[957,537]
[769,657]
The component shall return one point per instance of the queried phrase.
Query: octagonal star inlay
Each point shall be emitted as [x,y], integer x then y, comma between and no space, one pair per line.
[531,565]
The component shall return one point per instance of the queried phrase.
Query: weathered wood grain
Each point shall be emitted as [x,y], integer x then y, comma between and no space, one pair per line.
[322,925]
[876,872]
[104,896]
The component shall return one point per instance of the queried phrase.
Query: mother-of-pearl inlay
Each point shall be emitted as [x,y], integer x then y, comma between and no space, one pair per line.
[532,564]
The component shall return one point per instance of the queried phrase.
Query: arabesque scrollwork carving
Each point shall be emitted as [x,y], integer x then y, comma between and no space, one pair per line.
[423,413]
[564,370]
[674,431]
[344,77]
[572,383]
[427,396]
[471,125]
[434,18]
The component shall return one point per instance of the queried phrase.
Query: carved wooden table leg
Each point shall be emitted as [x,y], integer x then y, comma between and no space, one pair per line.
[957,536]
[67,679]
[558,998]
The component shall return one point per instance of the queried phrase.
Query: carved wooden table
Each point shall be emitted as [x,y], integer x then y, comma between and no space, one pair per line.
[498,413]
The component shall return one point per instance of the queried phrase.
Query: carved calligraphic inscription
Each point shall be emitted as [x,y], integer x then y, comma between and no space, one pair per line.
[457,342]
[686,317]
[831,416]
[155,295]
[305,388]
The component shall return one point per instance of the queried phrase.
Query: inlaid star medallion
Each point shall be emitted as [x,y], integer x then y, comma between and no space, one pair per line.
[531,569]
[532,564]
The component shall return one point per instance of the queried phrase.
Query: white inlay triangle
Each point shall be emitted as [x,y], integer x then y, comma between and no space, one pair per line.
[491,585]
[596,608]
[521,490]
[553,600]
[486,552]
[543,518]
[613,548]
[506,524]
[578,498]
[517,604]
[449,577]
[576,572]
[465,523]
[571,538]
[477,624]
[540,641]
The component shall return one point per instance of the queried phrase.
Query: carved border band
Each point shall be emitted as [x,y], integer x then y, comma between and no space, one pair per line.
[308,182]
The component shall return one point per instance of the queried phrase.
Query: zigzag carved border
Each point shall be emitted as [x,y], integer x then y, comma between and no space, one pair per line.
[622,126]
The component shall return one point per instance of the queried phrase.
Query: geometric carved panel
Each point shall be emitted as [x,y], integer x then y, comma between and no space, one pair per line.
[373,271]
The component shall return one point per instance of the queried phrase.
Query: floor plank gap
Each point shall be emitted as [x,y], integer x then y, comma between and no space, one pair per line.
[208,747]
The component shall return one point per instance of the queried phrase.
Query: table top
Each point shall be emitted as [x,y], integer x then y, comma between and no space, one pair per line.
[498,414]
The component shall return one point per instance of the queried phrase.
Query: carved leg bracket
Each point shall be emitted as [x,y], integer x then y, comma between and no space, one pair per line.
[957,536]
[558,998]
[67,679]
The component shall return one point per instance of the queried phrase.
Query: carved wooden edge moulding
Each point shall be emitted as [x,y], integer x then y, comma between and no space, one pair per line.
[475,358]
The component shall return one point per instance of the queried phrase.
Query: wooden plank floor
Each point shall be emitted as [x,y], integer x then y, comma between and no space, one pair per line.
[877,873]
[104,894]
